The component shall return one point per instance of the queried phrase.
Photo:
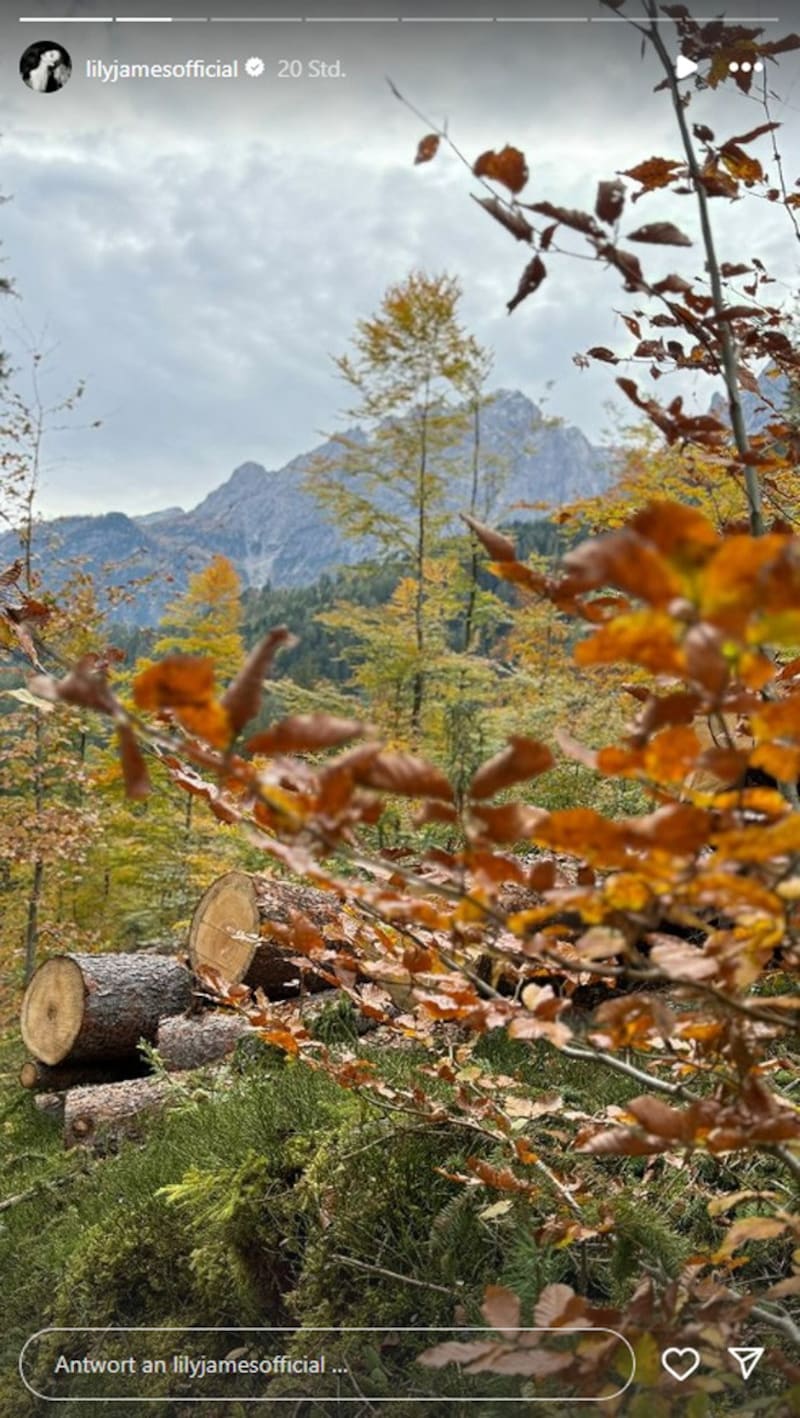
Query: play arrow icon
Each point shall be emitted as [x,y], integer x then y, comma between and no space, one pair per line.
[684,67]
[746,1359]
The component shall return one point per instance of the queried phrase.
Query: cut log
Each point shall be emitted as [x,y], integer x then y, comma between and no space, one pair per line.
[93,1007]
[98,1117]
[191,1041]
[50,1105]
[231,932]
[41,1077]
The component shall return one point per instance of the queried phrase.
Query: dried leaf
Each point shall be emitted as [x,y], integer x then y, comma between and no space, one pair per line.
[305,733]
[523,758]
[508,166]
[512,220]
[529,281]
[501,1309]
[610,201]
[242,698]
[500,548]
[134,768]
[660,234]
[427,148]
[404,774]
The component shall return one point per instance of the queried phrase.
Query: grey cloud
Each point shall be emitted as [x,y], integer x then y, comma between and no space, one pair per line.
[198,252]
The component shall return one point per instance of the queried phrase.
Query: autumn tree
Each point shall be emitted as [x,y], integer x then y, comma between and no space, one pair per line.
[47,823]
[413,372]
[207,617]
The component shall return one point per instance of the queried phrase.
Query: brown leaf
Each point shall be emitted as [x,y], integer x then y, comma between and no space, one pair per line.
[134,768]
[11,574]
[752,133]
[508,166]
[660,1119]
[242,698]
[523,758]
[610,201]
[600,352]
[404,774]
[660,234]
[513,822]
[501,1308]
[500,548]
[305,733]
[427,148]
[513,221]
[529,281]
[567,216]
[85,687]
[557,1305]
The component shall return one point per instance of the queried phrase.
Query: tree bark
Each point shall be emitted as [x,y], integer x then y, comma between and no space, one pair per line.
[53,1078]
[50,1105]
[85,1008]
[98,1117]
[241,929]
[185,1042]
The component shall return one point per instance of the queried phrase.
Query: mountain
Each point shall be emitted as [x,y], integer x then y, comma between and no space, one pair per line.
[272,529]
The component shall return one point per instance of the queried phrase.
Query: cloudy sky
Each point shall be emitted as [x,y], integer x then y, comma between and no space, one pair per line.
[197,251]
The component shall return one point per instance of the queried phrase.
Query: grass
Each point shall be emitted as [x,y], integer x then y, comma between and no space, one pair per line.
[272,1196]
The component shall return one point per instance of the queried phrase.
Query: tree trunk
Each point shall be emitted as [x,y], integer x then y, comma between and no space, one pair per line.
[185,1042]
[98,1117]
[93,1007]
[240,930]
[50,1105]
[41,1077]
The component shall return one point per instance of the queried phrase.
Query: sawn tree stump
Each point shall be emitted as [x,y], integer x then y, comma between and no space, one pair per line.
[92,1007]
[231,932]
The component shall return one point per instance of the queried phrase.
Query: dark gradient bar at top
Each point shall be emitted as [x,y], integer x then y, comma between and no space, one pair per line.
[384,11]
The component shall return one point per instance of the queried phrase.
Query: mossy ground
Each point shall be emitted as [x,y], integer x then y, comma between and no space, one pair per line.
[270,1196]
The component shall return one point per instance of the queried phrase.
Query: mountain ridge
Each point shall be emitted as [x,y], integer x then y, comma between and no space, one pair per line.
[272,529]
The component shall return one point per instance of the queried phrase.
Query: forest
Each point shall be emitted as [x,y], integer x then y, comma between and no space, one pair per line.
[412,959]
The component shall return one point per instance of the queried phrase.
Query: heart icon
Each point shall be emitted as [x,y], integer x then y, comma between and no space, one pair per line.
[680,1363]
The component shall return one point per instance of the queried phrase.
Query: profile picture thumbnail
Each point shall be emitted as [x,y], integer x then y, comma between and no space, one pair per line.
[45,66]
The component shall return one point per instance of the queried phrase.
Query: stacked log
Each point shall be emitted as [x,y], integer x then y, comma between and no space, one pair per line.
[84,1017]
[98,1116]
[190,1042]
[56,1078]
[239,930]
[90,1008]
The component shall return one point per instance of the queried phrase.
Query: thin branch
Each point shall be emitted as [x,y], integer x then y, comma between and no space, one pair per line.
[730,359]
[371,1269]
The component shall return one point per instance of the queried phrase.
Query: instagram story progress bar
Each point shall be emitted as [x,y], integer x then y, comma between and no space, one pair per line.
[367,19]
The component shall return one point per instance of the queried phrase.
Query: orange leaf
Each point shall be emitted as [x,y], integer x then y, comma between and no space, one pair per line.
[175,682]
